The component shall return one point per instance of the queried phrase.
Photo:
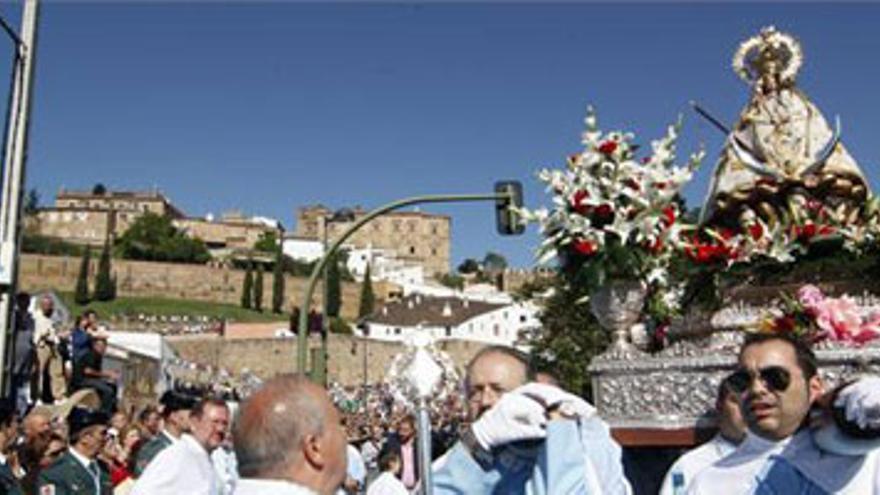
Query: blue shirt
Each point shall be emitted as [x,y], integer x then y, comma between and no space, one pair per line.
[556,466]
[79,342]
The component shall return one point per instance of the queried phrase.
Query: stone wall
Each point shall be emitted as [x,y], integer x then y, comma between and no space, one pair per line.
[350,358]
[178,280]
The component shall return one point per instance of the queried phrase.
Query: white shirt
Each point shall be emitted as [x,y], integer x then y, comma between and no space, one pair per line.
[248,486]
[226,466]
[182,468]
[387,484]
[794,461]
[696,460]
[44,327]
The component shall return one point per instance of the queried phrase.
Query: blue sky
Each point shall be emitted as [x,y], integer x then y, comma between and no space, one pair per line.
[265,107]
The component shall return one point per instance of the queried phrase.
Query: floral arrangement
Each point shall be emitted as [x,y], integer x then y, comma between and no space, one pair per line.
[809,223]
[816,317]
[615,213]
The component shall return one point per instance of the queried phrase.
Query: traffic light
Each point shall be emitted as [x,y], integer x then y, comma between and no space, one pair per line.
[506,218]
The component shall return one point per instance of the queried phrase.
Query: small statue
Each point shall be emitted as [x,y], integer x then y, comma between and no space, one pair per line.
[781,146]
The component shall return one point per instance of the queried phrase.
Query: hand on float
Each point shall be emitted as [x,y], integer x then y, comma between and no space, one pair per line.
[861,402]
[556,400]
[515,417]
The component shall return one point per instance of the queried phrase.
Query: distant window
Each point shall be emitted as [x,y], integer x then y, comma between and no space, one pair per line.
[411,226]
[395,225]
[496,330]
[449,331]
[522,318]
[412,250]
[504,315]
[396,331]
[434,228]
[433,251]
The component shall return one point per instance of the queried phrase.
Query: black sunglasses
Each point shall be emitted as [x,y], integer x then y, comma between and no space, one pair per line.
[776,378]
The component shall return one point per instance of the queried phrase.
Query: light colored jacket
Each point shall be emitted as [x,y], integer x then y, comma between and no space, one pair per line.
[183,468]
[576,457]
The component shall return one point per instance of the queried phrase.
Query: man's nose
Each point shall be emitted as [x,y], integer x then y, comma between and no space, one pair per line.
[488,398]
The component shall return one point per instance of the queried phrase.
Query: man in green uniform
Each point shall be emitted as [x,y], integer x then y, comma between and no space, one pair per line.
[175,417]
[77,471]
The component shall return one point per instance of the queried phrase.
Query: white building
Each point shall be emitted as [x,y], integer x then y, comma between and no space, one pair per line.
[383,266]
[302,249]
[452,318]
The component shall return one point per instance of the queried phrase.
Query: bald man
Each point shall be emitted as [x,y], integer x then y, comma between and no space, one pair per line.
[289,441]
[527,438]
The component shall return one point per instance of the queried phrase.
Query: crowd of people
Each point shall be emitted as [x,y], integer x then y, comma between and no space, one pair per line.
[511,431]
[52,361]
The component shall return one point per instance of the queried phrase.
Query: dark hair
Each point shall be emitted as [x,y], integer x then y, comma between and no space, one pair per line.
[199,409]
[146,412]
[386,457]
[89,312]
[7,412]
[510,352]
[805,357]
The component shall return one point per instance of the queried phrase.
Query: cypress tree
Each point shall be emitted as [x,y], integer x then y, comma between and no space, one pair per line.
[278,283]
[247,288]
[368,299]
[258,289]
[334,292]
[81,296]
[103,280]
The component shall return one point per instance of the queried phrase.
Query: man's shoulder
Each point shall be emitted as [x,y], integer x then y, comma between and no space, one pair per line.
[59,472]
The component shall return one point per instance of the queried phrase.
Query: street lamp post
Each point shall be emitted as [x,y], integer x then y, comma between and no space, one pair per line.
[505,197]
[341,215]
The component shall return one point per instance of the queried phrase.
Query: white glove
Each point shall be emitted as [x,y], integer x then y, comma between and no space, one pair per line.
[515,417]
[552,397]
[861,402]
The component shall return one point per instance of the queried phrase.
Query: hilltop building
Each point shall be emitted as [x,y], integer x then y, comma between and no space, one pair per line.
[92,217]
[412,237]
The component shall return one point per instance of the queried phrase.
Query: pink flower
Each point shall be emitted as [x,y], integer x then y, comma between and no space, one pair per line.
[839,319]
[810,295]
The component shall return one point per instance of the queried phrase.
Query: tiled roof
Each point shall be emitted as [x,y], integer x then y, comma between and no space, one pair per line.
[430,311]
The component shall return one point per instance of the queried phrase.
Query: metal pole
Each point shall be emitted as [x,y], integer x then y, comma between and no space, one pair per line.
[14,159]
[319,368]
[424,452]
[301,351]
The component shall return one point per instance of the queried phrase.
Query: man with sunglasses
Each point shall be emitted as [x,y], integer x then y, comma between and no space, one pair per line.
[778,382]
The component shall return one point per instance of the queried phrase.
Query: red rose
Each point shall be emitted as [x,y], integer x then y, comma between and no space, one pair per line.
[585,248]
[668,216]
[656,246]
[608,147]
[661,185]
[726,234]
[808,231]
[756,231]
[632,184]
[604,210]
[705,254]
[577,202]
[826,230]
[783,324]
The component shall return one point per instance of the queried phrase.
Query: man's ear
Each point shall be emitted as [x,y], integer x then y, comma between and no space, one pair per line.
[815,387]
[313,451]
